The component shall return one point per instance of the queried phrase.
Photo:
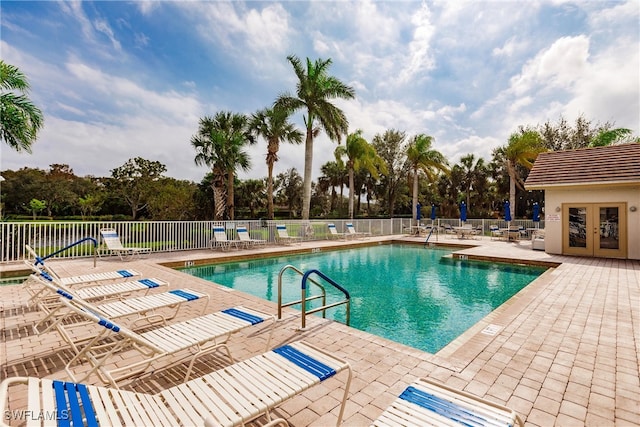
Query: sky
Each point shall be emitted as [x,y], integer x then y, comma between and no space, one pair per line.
[117,80]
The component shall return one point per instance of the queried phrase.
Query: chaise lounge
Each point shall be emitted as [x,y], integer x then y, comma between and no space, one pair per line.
[228,397]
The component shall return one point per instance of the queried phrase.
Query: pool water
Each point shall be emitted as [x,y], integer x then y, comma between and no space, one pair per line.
[404,293]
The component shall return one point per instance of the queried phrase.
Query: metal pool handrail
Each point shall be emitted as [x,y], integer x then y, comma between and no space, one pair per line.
[281,305]
[40,260]
[346,301]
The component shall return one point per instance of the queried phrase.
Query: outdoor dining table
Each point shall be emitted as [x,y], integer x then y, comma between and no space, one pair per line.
[462,232]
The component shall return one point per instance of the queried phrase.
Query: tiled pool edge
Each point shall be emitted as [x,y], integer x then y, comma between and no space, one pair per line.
[461,351]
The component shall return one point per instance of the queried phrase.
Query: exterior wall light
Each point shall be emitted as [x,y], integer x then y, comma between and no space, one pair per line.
[558,209]
[633,209]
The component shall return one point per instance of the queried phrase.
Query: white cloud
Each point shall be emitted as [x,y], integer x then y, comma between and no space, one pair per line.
[419,58]
[510,48]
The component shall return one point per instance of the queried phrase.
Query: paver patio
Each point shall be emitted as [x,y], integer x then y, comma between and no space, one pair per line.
[566,350]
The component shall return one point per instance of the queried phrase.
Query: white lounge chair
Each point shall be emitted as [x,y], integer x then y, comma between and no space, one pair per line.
[144,308]
[38,263]
[114,245]
[221,240]
[333,232]
[357,234]
[282,235]
[228,397]
[495,232]
[426,402]
[90,291]
[246,239]
[195,337]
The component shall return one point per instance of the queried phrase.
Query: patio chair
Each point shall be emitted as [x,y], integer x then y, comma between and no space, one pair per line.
[195,337]
[246,239]
[84,279]
[448,229]
[220,239]
[496,232]
[89,290]
[333,232]
[513,233]
[537,240]
[114,245]
[426,402]
[227,397]
[145,308]
[356,234]
[282,235]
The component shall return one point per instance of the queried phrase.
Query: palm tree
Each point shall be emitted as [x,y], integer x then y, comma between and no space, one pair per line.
[333,174]
[472,173]
[219,144]
[523,149]
[20,119]
[273,125]
[314,89]
[421,157]
[360,155]
[209,146]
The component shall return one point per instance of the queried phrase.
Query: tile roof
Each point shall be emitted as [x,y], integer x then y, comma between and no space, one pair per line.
[614,164]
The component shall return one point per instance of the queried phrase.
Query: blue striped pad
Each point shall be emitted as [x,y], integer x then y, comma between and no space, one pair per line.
[183,294]
[108,325]
[149,283]
[73,405]
[113,235]
[308,363]
[241,229]
[64,294]
[281,227]
[125,273]
[243,315]
[218,229]
[442,407]
[46,275]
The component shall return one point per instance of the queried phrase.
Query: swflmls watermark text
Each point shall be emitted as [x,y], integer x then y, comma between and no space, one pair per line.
[28,415]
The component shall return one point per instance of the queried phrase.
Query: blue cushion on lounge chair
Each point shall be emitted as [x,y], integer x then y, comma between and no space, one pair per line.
[70,410]
[308,363]
[441,407]
[183,294]
[149,283]
[243,315]
[125,273]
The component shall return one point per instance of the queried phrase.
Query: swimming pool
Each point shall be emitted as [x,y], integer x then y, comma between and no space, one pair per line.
[405,293]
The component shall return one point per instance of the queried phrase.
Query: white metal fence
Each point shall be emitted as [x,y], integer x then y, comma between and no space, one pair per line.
[165,236]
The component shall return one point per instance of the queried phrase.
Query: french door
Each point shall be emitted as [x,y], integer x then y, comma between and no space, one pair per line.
[594,229]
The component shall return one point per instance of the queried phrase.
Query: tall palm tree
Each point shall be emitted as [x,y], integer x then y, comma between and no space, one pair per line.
[472,174]
[360,155]
[421,157]
[333,174]
[522,149]
[219,144]
[238,136]
[314,90]
[273,125]
[20,119]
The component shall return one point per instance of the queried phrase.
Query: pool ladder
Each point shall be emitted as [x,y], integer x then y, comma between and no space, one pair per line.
[304,299]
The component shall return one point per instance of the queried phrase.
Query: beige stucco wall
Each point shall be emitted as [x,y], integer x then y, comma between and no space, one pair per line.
[556,197]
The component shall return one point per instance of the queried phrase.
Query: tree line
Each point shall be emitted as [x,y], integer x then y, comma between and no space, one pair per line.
[391,174]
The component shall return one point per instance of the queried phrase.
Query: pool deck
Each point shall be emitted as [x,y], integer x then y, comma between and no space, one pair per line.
[563,351]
